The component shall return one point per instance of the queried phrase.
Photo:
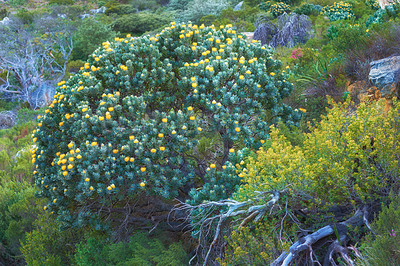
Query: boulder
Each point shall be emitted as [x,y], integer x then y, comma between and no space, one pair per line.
[385,75]
[7,119]
[238,6]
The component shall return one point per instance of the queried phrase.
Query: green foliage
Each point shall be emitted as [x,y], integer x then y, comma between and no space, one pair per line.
[382,247]
[61,2]
[114,7]
[257,246]
[17,3]
[308,9]
[243,19]
[3,13]
[178,5]
[88,36]
[345,37]
[279,8]
[338,11]
[139,23]
[139,250]
[155,97]
[197,9]
[47,245]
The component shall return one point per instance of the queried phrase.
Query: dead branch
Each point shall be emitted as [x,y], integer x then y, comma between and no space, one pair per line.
[217,214]
[306,242]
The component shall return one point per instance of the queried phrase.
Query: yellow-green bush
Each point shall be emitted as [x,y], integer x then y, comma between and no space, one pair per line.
[349,159]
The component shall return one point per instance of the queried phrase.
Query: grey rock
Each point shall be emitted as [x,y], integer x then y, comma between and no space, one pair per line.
[385,75]
[5,21]
[7,119]
[238,6]
[100,10]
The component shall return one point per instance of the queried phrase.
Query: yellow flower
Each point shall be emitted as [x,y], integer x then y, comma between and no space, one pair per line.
[184,127]
[212,165]
[199,129]
[112,185]
[194,85]
[79,157]
[241,77]
[101,118]
[132,159]
[143,169]
[164,120]
[55,200]
[87,179]
[162,148]
[262,141]
[110,109]
[91,188]
[173,132]
[109,188]
[272,74]
[142,184]
[190,108]
[237,129]
[65,173]
[192,118]
[153,150]
[94,143]
[160,135]
[303,110]
[231,150]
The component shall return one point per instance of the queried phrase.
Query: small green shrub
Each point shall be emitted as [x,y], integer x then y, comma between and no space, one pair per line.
[139,23]
[308,9]
[383,246]
[139,250]
[61,2]
[47,245]
[88,36]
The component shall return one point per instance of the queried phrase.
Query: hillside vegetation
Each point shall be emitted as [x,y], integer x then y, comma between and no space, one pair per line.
[188,132]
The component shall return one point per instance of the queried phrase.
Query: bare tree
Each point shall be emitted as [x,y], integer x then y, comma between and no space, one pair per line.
[34,58]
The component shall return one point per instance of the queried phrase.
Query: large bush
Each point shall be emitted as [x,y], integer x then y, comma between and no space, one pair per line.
[132,121]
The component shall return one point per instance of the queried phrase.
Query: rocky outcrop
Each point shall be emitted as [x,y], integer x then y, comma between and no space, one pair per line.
[385,75]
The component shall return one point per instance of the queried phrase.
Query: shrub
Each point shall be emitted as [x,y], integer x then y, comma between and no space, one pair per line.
[279,8]
[139,23]
[338,11]
[308,9]
[155,98]
[347,160]
[61,2]
[139,250]
[88,36]
[382,246]
[197,9]
[47,245]
[243,19]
